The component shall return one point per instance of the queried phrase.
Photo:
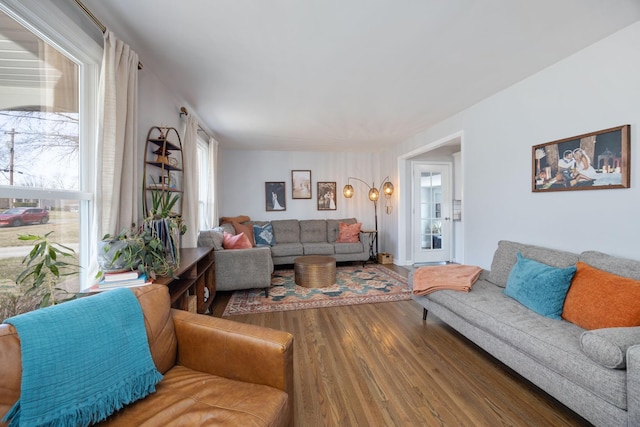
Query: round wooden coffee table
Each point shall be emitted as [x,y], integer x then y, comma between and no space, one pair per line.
[314,271]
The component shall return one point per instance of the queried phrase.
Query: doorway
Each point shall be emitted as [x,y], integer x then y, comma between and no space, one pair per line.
[448,150]
[431,213]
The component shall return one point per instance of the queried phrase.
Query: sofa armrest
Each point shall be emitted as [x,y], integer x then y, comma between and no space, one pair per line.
[243,268]
[365,239]
[235,350]
[633,385]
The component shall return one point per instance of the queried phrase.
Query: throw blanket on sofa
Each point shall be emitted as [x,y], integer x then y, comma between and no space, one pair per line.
[438,277]
[82,360]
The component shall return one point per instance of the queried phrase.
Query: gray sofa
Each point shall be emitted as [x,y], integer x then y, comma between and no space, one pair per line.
[295,238]
[252,268]
[556,355]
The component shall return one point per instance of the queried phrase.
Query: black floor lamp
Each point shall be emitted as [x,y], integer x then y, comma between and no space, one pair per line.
[374,194]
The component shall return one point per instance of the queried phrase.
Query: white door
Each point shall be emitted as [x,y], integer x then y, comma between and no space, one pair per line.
[431,212]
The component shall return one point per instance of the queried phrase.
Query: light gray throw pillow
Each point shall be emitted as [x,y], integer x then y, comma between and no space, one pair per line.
[608,346]
[211,237]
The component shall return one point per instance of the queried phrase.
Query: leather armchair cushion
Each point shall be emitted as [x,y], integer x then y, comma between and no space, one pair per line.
[191,398]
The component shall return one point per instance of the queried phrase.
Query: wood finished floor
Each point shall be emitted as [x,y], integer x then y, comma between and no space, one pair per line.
[382,365]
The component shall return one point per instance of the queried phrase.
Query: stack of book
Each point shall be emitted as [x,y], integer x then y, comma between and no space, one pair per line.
[127,279]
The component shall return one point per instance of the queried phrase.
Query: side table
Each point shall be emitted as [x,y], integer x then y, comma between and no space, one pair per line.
[314,271]
[373,235]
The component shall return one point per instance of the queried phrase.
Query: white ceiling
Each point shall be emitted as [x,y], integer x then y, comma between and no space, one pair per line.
[348,74]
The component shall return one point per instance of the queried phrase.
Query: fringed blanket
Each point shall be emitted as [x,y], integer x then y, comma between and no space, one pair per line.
[451,276]
[82,360]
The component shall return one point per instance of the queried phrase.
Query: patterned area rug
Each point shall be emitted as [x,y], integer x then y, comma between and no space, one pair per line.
[355,285]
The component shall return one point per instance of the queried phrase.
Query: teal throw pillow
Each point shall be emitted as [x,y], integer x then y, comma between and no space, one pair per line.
[263,234]
[539,287]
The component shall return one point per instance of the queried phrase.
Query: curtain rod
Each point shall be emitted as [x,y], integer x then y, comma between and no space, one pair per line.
[96,21]
[184,111]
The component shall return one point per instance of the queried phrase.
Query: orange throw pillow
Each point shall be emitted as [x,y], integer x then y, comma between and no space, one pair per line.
[349,233]
[246,229]
[239,241]
[598,299]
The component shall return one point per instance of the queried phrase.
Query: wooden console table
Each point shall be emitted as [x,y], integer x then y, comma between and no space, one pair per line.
[194,278]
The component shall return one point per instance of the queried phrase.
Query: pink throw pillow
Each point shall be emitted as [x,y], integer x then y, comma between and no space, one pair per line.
[239,241]
[246,229]
[349,233]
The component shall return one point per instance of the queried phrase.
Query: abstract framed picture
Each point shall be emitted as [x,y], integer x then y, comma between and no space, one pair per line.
[274,196]
[592,161]
[300,184]
[326,196]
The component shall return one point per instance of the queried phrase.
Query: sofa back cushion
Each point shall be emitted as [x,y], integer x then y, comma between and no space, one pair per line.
[313,231]
[286,230]
[505,258]
[621,266]
[333,228]
[156,307]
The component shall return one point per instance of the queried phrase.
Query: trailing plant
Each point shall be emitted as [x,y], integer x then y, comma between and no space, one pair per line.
[45,266]
[143,251]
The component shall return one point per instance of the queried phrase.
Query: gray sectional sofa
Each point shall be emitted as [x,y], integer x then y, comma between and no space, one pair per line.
[295,238]
[556,355]
[252,268]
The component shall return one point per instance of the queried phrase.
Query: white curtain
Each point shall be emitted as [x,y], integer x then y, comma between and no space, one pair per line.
[212,193]
[190,183]
[116,166]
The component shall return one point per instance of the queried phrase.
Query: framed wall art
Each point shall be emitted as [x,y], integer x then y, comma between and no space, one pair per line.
[274,195]
[301,184]
[593,161]
[326,196]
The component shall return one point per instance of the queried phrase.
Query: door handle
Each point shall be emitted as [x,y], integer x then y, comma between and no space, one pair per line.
[447,218]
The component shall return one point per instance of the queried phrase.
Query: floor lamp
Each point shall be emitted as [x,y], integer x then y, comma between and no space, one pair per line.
[374,194]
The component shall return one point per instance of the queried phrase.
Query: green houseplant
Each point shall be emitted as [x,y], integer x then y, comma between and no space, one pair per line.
[135,248]
[45,265]
[151,248]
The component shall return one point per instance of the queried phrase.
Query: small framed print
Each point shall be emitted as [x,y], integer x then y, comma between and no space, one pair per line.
[274,195]
[326,196]
[301,184]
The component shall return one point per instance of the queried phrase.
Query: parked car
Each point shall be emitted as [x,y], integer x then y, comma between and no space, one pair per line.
[20,216]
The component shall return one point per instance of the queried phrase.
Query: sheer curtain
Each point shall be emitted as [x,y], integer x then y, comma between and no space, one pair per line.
[212,189]
[190,183]
[116,166]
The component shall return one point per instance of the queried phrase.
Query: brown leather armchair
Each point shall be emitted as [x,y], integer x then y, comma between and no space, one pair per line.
[216,371]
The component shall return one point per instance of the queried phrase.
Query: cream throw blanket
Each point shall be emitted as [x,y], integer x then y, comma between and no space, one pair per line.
[456,277]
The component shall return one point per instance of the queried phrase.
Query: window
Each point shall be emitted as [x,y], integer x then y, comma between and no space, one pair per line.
[203,182]
[47,95]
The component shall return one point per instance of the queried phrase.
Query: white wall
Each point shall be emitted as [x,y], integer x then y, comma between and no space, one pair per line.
[596,88]
[157,106]
[243,175]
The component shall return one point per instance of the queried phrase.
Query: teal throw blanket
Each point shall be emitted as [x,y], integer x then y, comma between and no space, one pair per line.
[82,360]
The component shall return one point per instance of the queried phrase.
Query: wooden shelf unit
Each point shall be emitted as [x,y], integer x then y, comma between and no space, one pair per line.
[195,277]
[162,176]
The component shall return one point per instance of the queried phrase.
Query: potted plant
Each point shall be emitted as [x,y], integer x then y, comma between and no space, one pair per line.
[167,224]
[135,248]
[45,265]
[152,248]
